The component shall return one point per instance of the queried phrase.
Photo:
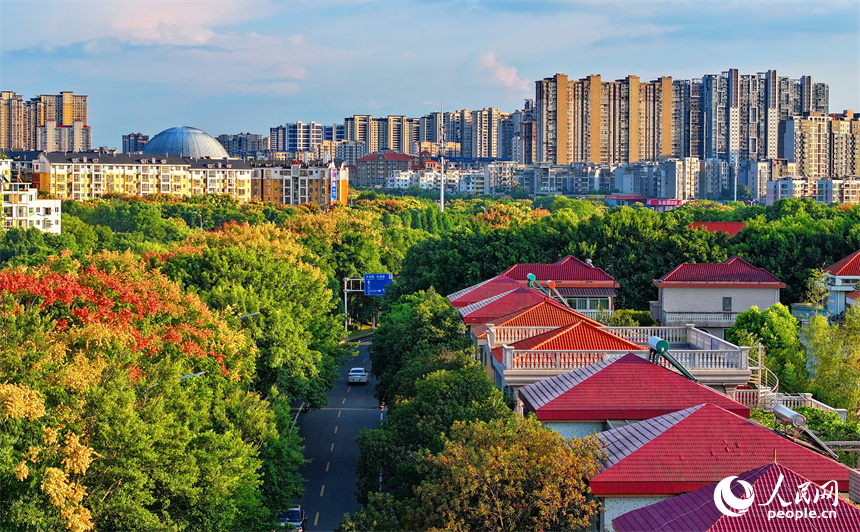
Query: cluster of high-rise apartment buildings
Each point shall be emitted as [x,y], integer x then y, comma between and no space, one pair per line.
[48,122]
[716,133]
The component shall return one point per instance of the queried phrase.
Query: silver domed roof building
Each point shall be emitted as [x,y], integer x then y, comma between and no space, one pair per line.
[187,142]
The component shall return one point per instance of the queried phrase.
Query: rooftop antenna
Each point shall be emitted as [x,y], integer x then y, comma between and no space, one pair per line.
[442,157]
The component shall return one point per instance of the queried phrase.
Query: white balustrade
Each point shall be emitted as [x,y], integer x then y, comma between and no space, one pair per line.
[699,317]
[640,335]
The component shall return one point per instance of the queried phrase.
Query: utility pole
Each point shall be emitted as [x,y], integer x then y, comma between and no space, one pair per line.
[442,157]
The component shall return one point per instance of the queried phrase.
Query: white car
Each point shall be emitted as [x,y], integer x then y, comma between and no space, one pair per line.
[357,375]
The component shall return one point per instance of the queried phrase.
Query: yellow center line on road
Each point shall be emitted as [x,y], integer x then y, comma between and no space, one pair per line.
[322,490]
[338,413]
[327,464]
[317,519]
[344,401]
[332,447]
[335,429]
[349,389]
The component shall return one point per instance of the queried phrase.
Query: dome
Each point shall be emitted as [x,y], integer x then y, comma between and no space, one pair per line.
[187,142]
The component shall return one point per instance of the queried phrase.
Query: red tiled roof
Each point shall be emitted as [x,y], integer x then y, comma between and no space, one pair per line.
[565,270]
[387,156]
[733,270]
[482,290]
[547,313]
[501,305]
[629,387]
[730,228]
[853,295]
[696,511]
[849,266]
[690,449]
[580,336]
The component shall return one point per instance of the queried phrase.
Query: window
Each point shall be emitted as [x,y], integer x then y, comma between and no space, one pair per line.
[727,304]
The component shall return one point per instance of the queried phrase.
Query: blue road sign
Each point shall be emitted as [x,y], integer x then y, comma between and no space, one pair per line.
[375,283]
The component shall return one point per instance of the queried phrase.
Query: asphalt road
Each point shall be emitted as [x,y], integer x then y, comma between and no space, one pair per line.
[329,435]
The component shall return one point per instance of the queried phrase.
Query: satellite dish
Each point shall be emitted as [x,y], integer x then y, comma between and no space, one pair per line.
[531,277]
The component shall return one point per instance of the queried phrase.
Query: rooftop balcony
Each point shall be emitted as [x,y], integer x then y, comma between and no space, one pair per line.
[713,361]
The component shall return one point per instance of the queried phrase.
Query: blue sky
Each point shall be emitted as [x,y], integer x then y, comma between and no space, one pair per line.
[228,66]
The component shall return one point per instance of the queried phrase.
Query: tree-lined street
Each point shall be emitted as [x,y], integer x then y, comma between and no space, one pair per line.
[329,435]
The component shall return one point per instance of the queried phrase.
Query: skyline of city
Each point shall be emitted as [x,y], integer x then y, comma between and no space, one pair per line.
[235,66]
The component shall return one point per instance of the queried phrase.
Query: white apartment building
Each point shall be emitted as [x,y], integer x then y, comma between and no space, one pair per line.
[427,179]
[680,178]
[349,151]
[53,137]
[820,190]
[22,207]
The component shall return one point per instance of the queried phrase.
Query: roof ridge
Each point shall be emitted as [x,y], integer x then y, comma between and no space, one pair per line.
[468,309]
[460,293]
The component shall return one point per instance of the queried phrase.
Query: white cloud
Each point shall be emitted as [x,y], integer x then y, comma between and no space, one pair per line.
[501,72]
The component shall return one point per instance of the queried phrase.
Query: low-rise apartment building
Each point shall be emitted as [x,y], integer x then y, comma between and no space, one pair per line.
[86,175]
[821,190]
[300,183]
[23,209]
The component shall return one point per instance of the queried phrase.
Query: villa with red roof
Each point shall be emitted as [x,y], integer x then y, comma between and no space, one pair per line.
[697,510]
[659,458]
[710,296]
[841,279]
[585,287]
[613,393]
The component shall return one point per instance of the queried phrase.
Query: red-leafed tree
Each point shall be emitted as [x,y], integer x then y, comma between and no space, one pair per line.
[98,427]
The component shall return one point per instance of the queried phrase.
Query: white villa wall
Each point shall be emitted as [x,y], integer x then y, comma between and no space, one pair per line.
[711,299]
[616,506]
[838,287]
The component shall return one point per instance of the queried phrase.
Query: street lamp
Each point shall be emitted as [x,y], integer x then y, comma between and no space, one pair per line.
[201,220]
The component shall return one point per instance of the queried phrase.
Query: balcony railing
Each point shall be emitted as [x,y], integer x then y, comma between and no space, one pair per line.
[640,335]
[727,318]
[565,360]
[755,399]
[696,350]
[509,335]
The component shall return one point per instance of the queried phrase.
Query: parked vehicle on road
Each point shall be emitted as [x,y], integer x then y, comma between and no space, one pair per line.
[357,375]
[293,519]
